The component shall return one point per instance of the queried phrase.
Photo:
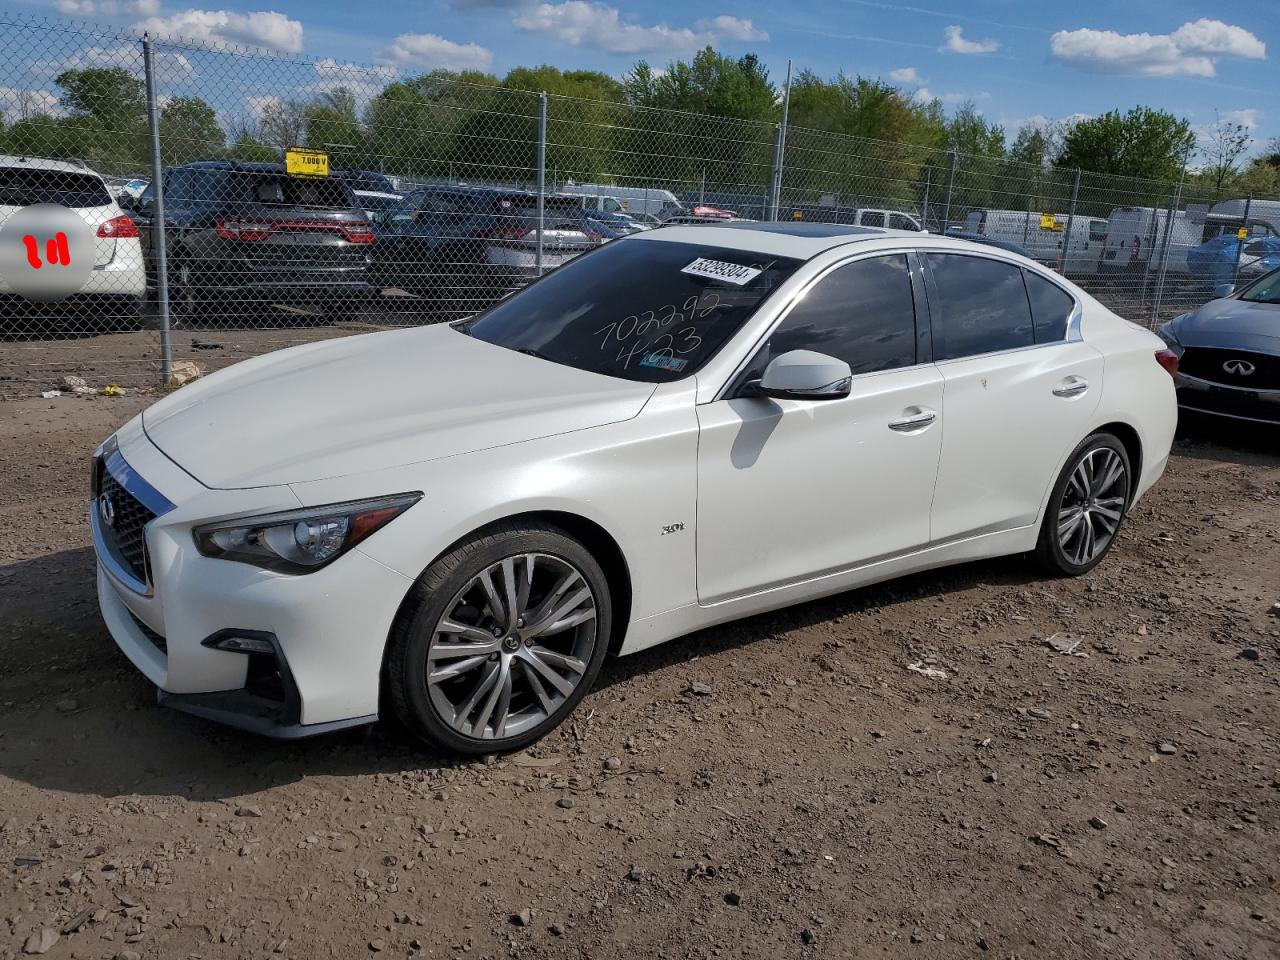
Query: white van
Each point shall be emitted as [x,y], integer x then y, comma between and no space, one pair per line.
[1260,211]
[1136,238]
[893,219]
[642,202]
[1042,236]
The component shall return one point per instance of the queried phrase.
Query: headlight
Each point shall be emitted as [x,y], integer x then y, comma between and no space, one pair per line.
[300,541]
[1165,333]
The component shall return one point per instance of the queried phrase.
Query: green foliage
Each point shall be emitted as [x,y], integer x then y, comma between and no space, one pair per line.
[189,131]
[711,83]
[1145,143]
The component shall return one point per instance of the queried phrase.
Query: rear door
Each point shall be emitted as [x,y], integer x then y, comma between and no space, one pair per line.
[1019,390]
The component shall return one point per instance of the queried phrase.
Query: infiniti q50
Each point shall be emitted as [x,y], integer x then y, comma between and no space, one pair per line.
[457,524]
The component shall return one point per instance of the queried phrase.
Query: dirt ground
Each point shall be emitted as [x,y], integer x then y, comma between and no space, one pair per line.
[821,800]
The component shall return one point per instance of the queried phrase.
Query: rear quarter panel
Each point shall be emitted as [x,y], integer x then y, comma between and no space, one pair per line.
[1136,390]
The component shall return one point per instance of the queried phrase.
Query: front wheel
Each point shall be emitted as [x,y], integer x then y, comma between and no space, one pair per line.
[499,639]
[1086,508]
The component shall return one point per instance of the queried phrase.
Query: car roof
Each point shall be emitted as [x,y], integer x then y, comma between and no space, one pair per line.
[40,163]
[807,240]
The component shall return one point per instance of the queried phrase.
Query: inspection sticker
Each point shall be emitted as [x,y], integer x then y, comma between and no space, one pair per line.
[734,273]
[663,362]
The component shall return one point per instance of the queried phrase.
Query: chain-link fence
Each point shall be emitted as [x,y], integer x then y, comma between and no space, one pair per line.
[235,202]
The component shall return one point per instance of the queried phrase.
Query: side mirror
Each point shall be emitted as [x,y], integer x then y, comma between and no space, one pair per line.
[126,201]
[1224,290]
[804,375]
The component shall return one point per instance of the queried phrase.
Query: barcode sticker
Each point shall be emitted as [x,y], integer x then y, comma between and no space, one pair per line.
[734,273]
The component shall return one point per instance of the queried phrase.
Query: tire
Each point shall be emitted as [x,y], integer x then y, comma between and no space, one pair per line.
[461,713]
[1086,501]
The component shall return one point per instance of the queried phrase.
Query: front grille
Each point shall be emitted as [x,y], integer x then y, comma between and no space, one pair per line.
[1207,363]
[126,534]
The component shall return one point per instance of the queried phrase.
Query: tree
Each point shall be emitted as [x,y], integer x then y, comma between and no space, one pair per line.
[581,84]
[283,122]
[1271,155]
[333,124]
[1146,143]
[189,131]
[1031,145]
[711,83]
[111,96]
[968,132]
[1223,146]
[106,124]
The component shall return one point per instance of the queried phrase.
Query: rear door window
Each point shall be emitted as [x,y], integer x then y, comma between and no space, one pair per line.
[23,186]
[898,221]
[872,218]
[862,313]
[983,306]
[280,190]
[1051,307]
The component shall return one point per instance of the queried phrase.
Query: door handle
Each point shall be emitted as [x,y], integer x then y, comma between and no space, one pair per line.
[1071,387]
[914,421]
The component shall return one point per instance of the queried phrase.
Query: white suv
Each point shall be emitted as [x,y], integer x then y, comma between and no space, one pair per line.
[118,281]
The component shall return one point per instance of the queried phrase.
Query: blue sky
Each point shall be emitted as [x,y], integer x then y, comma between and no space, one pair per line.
[1015,60]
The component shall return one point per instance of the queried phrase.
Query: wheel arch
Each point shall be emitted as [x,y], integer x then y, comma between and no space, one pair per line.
[1132,443]
[598,541]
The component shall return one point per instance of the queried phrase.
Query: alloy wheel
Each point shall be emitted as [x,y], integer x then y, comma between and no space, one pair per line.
[1092,505]
[512,646]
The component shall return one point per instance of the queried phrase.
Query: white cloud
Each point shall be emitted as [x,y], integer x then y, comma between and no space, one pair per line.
[956,42]
[431,51]
[170,67]
[1191,50]
[18,105]
[262,28]
[924,95]
[364,82]
[732,28]
[582,24]
[1247,117]
[108,8]
[908,75]
[259,105]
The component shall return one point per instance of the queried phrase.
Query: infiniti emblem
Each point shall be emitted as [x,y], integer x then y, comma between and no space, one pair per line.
[1241,368]
[107,510]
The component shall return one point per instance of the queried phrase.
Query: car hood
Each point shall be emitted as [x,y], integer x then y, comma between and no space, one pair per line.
[365,403]
[1231,323]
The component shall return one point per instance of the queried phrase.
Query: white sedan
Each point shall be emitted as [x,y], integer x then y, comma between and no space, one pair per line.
[458,523]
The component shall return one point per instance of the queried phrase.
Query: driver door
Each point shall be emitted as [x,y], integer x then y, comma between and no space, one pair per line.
[791,489]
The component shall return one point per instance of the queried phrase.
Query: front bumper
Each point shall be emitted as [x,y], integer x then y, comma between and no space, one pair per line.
[328,629]
[1218,400]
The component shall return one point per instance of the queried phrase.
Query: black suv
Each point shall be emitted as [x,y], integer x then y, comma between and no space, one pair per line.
[248,235]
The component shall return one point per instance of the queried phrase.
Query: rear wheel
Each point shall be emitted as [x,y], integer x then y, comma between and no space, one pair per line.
[1086,508]
[500,639]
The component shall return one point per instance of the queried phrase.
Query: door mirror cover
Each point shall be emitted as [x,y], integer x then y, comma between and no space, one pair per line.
[805,375]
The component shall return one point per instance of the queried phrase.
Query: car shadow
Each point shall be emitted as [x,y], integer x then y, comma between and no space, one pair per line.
[1202,437]
[77,717]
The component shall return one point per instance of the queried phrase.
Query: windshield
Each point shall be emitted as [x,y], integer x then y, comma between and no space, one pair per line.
[1264,290]
[642,310]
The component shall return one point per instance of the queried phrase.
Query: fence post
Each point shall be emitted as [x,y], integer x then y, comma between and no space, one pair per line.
[1164,251]
[951,182]
[1071,217]
[924,208]
[158,248]
[542,170]
[1235,270]
[779,149]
